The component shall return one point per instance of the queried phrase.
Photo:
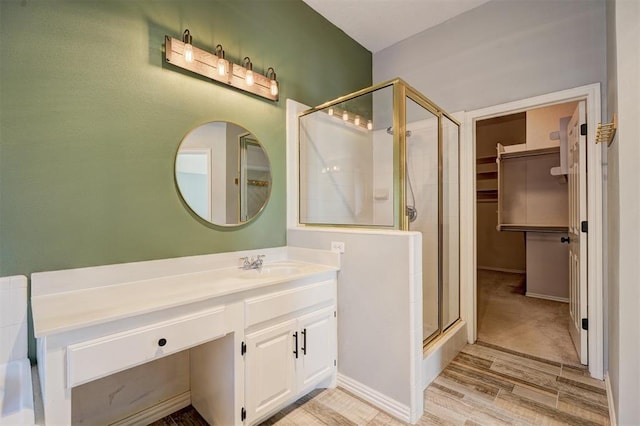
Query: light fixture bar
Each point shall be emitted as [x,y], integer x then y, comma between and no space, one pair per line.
[206,64]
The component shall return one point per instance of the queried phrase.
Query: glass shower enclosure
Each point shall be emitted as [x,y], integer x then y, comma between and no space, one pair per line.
[387,157]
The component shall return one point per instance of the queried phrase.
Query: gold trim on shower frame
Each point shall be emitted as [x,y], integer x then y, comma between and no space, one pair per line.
[401,90]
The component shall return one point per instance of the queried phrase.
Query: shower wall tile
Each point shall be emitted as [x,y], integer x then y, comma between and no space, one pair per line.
[336,180]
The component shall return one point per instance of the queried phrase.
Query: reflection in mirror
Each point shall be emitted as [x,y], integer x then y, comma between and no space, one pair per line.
[223,173]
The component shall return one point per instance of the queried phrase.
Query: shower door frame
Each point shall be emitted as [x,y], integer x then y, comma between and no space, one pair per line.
[405,91]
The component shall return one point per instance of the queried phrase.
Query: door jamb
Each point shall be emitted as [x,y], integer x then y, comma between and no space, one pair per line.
[590,93]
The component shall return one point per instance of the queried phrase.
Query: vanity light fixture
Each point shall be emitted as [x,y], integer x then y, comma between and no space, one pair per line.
[330,112]
[356,120]
[273,84]
[369,125]
[188,47]
[345,116]
[182,53]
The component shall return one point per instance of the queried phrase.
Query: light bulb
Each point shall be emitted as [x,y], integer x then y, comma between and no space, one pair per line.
[188,48]
[369,125]
[248,77]
[357,120]
[222,66]
[345,116]
[330,111]
[188,53]
[222,63]
[274,88]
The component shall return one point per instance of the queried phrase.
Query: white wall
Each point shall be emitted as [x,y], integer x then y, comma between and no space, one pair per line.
[127,392]
[502,51]
[379,312]
[624,210]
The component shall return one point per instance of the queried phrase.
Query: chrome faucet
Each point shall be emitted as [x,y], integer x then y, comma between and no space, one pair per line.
[251,262]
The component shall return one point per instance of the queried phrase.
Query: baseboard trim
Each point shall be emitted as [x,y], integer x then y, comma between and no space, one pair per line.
[547,297]
[383,402]
[513,271]
[157,411]
[612,408]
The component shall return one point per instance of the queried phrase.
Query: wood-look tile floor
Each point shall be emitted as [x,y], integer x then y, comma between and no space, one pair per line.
[483,385]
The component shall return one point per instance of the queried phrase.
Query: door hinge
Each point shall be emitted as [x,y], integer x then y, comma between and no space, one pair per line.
[584,226]
[335,314]
[243,414]
[335,363]
[585,323]
[243,348]
[583,129]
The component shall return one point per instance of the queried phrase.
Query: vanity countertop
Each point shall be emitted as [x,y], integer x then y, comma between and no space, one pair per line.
[70,310]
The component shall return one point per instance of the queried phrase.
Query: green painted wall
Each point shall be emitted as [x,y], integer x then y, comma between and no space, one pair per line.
[91,118]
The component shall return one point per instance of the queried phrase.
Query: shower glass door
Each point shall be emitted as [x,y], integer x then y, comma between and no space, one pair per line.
[450,222]
[422,200]
[432,208]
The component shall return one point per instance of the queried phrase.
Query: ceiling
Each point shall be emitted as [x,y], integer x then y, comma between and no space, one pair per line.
[377,24]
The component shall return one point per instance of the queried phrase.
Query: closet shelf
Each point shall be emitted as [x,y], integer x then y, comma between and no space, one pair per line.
[486,160]
[487,195]
[529,153]
[487,175]
[533,228]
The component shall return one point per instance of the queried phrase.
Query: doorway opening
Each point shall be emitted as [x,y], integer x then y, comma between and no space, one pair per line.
[588,322]
[522,211]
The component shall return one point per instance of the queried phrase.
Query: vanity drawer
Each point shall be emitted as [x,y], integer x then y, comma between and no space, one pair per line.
[100,357]
[263,308]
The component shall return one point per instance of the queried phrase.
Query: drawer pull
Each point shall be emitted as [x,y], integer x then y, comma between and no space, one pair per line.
[162,342]
[295,337]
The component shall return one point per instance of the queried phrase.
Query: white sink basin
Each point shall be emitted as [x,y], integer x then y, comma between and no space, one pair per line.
[273,269]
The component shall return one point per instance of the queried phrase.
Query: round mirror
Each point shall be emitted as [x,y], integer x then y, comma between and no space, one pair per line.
[223,173]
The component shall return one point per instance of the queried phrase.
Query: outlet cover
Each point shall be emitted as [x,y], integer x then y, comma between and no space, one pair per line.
[337,246]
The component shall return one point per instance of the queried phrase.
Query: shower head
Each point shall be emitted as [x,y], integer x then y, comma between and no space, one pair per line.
[390,131]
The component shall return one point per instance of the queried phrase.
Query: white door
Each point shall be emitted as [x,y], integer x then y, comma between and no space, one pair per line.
[270,368]
[577,239]
[317,347]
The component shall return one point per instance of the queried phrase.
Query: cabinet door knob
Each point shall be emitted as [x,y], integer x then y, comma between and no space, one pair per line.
[564,240]
[162,342]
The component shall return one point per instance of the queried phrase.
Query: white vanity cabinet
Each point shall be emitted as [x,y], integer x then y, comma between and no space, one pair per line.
[288,355]
[257,340]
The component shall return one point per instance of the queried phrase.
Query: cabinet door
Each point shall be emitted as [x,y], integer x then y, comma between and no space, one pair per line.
[270,368]
[317,347]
